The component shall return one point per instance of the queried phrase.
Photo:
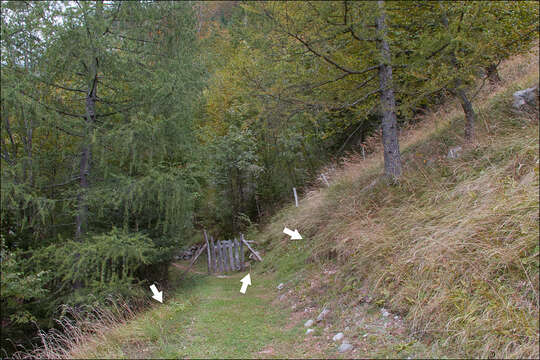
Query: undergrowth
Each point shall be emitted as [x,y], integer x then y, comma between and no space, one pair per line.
[79,326]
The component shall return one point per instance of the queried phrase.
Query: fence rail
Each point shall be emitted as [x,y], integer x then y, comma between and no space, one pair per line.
[226,255]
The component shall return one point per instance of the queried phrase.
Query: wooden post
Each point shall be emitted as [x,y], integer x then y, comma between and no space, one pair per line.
[241,252]
[253,251]
[236,257]
[325,181]
[214,259]
[219,256]
[224,255]
[208,253]
[295,196]
[231,257]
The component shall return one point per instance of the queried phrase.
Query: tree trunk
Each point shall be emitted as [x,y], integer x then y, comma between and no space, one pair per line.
[86,154]
[470,115]
[493,74]
[84,169]
[392,157]
[466,104]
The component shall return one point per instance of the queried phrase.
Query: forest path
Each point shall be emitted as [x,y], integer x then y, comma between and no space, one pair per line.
[207,317]
[185,267]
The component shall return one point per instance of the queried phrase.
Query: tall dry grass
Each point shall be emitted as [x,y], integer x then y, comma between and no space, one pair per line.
[80,327]
[453,247]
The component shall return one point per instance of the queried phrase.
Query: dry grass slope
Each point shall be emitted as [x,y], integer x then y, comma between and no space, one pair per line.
[453,247]
[79,328]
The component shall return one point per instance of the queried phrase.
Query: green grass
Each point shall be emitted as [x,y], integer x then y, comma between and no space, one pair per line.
[206,317]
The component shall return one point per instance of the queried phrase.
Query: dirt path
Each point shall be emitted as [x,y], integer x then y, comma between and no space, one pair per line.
[185,267]
[208,317]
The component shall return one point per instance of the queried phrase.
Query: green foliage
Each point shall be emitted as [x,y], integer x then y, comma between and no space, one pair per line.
[18,287]
[114,85]
[104,258]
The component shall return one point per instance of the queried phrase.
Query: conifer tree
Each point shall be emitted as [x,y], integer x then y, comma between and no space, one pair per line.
[101,66]
[457,41]
[347,43]
[97,150]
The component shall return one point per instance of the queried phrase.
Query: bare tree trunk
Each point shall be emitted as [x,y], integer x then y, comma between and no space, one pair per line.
[493,74]
[470,115]
[84,169]
[392,157]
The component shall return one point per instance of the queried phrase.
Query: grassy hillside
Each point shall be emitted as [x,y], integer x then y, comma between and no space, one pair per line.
[453,248]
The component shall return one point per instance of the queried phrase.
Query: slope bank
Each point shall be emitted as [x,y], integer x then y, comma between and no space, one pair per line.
[453,248]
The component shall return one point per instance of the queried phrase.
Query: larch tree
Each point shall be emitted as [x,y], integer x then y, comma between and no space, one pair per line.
[462,39]
[97,148]
[102,66]
[344,47]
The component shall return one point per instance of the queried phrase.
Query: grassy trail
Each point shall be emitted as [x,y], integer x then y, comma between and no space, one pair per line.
[208,317]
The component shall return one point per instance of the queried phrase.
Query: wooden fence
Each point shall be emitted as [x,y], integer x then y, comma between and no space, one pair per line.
[227,255]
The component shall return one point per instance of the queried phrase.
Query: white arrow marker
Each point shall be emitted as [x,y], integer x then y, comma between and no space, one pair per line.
[295,235]
[246,280]
[158,295]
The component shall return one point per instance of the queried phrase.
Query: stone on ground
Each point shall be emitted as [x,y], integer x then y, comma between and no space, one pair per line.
[309,323]
[338,337]
[280,286]
[527,96]
[454,152]
[345,347]
[322,315]
[309,331]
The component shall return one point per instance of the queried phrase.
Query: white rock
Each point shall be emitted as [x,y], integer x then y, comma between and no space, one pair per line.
[338,337]
[280,286]
[526,96]
[309,331]
[454,152]
[322,315]
[396,317]
[385,312]
[309,323]
[345,347]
